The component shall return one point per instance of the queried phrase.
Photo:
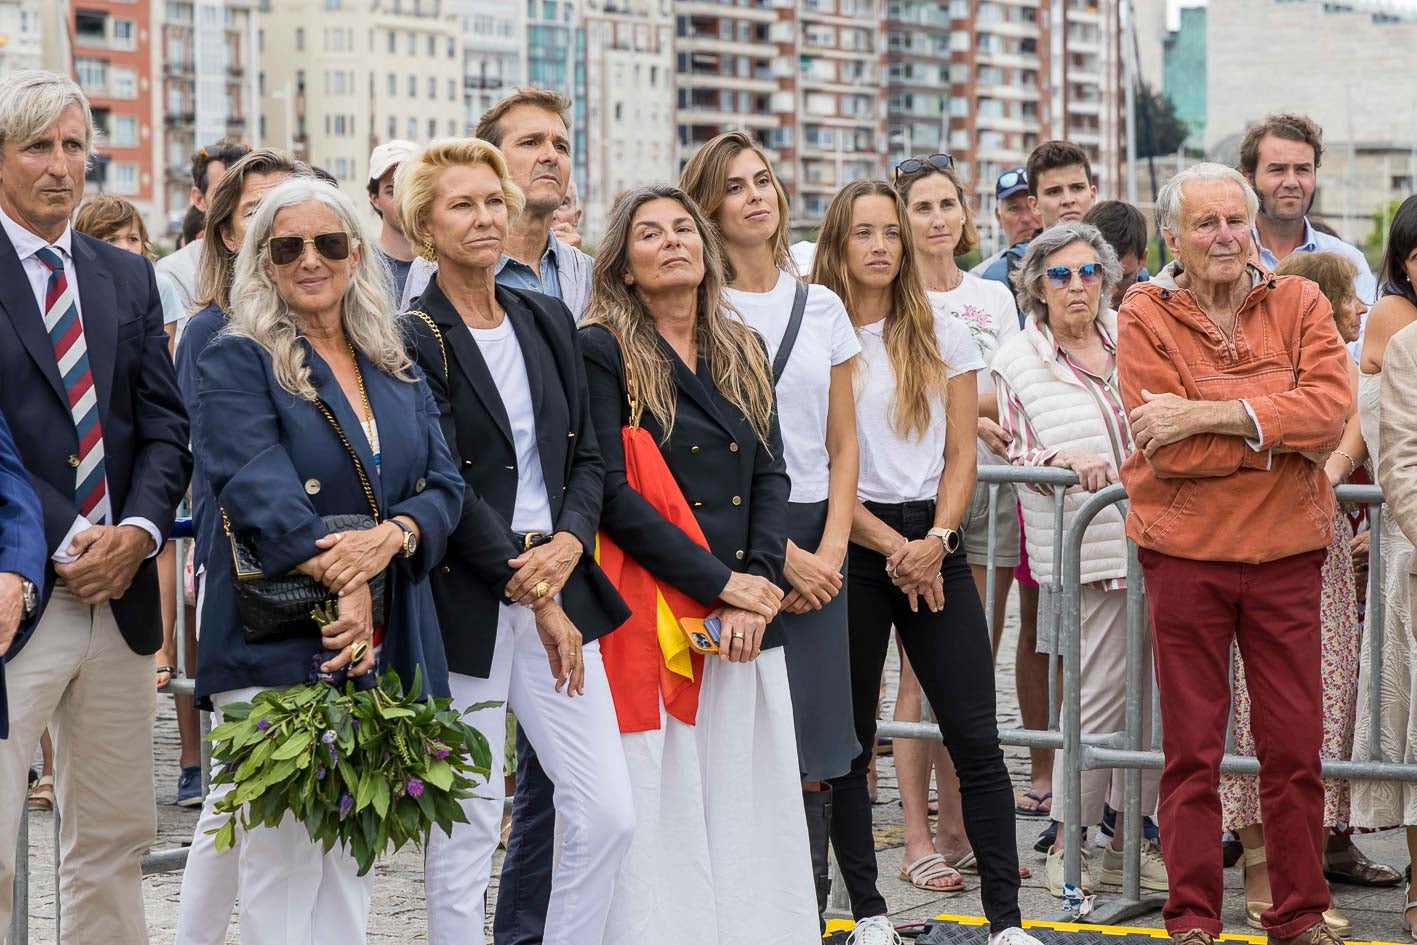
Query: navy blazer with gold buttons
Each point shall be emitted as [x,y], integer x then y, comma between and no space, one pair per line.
[471,581]
[736,486]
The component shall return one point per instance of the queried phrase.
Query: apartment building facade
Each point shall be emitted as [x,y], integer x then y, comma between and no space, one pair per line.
[494,37]
[627,100]
[21,35]
[111,44]
[338,77]
[208,67]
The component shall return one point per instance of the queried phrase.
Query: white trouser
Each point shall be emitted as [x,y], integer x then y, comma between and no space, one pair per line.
[291,892]
[577,741]
[1103,704]
[209,879]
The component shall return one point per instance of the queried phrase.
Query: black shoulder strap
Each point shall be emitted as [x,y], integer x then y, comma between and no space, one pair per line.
[789,337]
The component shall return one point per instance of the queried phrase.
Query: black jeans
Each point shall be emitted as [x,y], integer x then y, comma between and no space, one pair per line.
[951,654]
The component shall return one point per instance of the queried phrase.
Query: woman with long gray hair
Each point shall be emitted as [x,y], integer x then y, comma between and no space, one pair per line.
[695,526]
[307,406]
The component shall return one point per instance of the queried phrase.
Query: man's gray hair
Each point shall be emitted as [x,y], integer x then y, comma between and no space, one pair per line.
[1169,201]
[1035,262]
[31,100]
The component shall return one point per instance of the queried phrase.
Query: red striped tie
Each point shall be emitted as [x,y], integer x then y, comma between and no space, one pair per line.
[61,320]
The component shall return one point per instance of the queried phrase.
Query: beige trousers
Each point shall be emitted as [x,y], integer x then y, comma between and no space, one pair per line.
[1104,704]
[78,676]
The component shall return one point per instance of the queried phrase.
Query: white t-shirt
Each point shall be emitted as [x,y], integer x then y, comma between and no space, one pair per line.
[825,340]
[503,355]
[893,468]
[987,308]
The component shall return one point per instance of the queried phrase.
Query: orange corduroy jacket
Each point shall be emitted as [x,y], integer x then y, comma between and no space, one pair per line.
[1214,497]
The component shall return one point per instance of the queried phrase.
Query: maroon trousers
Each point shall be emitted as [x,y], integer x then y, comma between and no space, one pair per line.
[1272,610]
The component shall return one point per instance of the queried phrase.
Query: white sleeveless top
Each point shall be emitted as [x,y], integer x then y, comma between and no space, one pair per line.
[1370,389]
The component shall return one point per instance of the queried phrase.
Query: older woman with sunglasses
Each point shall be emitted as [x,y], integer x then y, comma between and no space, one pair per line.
[1060,404]
[307,407]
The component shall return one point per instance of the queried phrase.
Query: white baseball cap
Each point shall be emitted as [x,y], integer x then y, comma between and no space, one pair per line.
[390,154]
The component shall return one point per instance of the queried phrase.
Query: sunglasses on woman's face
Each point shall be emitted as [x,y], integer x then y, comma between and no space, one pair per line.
[1060,277]
[285,250]
[940,162]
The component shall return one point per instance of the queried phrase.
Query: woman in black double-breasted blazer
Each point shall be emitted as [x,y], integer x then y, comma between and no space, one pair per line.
[714,776]
[518,586]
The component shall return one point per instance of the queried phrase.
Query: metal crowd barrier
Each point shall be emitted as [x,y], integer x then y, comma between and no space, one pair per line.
[1125,750]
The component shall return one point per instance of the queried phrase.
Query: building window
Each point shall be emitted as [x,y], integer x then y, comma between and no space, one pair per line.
[393,85]
[124,83]
[300,39]
[432,89]
[92,74]
[432,45]
[123,131]
[432,128]
[452,90]
[125,34]
[452,127]
[393,127]
[123,178]
[413,128]
[412,44]
[413,86]
[393,41]
[332,4]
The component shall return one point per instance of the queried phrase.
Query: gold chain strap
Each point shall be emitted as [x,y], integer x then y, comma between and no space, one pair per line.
[358,466]
[437,333]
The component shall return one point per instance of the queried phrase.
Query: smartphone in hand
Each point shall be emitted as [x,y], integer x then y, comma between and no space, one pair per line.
[702,634]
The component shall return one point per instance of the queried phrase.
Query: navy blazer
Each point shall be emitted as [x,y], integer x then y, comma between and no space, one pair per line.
[275,466]
[471,581]
[736,487]
[145,432]
[22,548]
[200,330]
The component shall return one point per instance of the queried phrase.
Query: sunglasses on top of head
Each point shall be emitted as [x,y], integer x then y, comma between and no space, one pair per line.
[940,162]
[285,250]
[1060,277]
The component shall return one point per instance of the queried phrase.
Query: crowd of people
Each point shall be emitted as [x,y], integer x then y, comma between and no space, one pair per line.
[658,513]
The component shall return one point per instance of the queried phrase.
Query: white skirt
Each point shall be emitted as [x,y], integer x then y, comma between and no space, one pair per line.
[720,853]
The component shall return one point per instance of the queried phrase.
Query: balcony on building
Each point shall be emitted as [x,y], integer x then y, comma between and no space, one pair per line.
[90,28]
[917,13]
[754,11]
[716,70]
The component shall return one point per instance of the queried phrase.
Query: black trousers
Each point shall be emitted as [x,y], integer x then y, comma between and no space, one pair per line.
[524,891]
[952,655]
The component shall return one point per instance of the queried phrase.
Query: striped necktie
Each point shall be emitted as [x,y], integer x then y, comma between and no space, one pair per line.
[61,320]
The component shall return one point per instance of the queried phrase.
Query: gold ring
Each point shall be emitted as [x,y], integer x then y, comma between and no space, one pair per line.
[737,634]
[358,651]
[542,588]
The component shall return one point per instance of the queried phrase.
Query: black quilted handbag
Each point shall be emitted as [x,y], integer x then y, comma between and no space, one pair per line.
[281,607]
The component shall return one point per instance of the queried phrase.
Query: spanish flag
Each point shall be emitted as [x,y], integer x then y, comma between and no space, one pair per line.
[648,657]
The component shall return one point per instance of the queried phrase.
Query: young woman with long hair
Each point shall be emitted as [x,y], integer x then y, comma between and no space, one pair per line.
[811,343]
[916,417]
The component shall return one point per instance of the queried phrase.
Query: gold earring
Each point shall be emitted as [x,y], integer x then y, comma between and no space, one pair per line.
[429,253]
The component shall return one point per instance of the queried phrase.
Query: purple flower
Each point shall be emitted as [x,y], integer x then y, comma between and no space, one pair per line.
[415,787]
[329,737]
[264,723]
[441,754]
[334,758]
[346,804]
[320,773]
[356,725]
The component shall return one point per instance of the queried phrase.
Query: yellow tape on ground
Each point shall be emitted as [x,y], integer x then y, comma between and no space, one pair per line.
[845,925]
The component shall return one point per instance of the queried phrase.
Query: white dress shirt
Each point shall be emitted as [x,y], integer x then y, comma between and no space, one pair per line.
[27,244]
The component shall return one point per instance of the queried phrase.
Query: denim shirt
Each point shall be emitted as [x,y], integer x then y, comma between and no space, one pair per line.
[1365,284]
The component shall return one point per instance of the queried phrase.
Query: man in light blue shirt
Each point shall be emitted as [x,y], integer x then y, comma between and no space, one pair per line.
[1280,157]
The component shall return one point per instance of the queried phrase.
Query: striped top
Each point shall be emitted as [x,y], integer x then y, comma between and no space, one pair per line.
[1025,446]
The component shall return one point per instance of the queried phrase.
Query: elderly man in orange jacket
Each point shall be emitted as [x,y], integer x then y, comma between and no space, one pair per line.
[1236,386]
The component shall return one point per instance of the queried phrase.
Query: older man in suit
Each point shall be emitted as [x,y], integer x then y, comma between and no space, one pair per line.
[88,388]
[22,557]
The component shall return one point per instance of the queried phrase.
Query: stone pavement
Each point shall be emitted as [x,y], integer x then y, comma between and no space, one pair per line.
[397,916]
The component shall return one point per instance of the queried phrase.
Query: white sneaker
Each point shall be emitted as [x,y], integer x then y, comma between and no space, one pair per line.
[1055,872]
[876,930]
[1153,867]
[1013,936]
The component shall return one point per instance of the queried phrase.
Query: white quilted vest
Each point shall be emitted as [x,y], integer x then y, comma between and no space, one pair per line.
[1063,415]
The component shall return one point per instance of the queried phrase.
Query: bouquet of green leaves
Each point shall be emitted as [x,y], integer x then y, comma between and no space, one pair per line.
[367,769]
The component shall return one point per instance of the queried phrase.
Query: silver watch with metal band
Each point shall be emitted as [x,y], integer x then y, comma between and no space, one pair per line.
[948,537]
[31,597]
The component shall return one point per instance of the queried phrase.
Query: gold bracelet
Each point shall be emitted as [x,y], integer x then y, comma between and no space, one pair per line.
[1352,463]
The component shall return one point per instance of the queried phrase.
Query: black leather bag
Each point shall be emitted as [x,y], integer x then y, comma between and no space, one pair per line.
[284,606]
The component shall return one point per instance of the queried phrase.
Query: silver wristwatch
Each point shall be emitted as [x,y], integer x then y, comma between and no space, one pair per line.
[948,537]
[31,597]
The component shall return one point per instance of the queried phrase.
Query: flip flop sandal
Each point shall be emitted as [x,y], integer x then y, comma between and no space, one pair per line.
[41,795]
[1040,810]
[967,864]
[928,868]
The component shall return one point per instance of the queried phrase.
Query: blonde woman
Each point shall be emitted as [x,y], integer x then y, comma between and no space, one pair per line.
[916,417]
[310,326]
[720,855]
[518,588]
[811,342]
